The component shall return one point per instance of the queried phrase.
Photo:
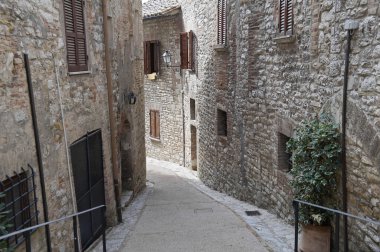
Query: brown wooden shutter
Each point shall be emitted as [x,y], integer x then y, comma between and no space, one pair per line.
[158,133]
[147,58]
[75,35]
[289,19]
[184,51]
[285,24]
[156,59]
[222,22]
[152,124]
[191,50]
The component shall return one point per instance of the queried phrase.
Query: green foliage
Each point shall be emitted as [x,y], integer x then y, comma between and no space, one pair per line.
[315,152]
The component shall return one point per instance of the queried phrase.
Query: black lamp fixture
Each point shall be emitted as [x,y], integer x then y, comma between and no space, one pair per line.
[132,98]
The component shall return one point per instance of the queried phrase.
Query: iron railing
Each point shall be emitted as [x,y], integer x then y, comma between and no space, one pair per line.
[337,213]
[27,231]
[20,201]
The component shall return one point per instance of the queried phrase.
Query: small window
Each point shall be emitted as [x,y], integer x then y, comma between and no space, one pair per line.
[284,158]
[155,124]
[192,109]
[222,22]
[285,21]
[151,57]
[187,54]
[77,59]
[19,191]
[221,122]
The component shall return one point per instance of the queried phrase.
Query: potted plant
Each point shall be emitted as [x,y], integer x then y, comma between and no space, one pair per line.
[315,150]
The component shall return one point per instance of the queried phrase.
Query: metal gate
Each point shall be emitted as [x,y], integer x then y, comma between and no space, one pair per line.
[87,163]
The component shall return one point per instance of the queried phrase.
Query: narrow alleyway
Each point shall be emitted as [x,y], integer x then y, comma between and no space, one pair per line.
[178,217]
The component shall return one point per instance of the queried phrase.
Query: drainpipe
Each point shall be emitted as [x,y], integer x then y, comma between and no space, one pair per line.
[115,169]
[38,150]
[349,26]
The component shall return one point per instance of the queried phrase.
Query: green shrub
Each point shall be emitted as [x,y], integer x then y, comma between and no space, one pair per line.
[316,151]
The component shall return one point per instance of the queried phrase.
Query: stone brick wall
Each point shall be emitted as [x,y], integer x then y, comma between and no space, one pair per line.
[165,92]
[267,87]
[37,28]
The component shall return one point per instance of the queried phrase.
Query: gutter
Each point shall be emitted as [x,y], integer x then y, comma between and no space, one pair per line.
[115,168]
[38,150]
[349,26]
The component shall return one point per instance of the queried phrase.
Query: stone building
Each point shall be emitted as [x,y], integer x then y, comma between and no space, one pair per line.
[76,73]
[255,78]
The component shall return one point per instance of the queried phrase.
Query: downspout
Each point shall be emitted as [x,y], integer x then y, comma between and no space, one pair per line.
[38,150]
[115,169]
[183,129]
[349,26]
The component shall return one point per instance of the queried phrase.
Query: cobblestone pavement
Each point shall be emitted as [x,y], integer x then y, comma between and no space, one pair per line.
[276,234]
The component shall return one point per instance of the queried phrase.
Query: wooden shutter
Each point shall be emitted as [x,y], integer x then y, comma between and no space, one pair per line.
[158,125]
[289,20]
[147,58]
[191,50]
[184,51]
[155,124]
[285,24]
[75,35]
[222,22]
[156,58]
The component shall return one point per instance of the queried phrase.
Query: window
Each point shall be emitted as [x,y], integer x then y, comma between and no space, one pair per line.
[151,56]
[77,59]
[221,118]
[192,109]
[187,55]
[155,124]
[285,23]
[222,22]
[19,191]
[284,158]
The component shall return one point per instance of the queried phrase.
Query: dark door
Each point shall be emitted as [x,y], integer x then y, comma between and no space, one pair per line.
[87,163]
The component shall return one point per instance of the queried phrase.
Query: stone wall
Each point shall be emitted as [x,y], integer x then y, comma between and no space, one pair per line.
[267,86]
[165,92]
[68,106]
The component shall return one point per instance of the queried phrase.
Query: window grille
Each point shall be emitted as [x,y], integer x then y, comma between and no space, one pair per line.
[20,203]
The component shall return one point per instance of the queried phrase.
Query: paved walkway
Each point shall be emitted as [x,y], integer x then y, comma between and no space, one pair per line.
[177,212]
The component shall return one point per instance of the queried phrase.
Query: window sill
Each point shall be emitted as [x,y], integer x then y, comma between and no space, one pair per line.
[220,48]
[285,39]
[157,140]
[79,73]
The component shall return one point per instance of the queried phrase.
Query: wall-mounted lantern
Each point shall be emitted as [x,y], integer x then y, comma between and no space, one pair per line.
[132,98]
[167,58]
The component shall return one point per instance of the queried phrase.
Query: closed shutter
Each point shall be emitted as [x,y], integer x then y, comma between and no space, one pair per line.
[155,124]
[184,51]
[191,50]
[158,125]
[222,22]
[285,24]
[75,35]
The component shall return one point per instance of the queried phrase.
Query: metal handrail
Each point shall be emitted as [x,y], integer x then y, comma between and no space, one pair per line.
[26,231]
[296,204]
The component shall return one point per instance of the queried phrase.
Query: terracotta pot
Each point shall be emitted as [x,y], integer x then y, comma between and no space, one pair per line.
[315,239]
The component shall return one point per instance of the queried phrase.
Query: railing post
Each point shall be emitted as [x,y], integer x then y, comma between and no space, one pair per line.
[28,245]
[104,229]
[337,228]
[296,221]
[75,229]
